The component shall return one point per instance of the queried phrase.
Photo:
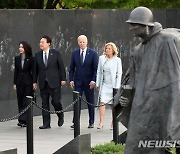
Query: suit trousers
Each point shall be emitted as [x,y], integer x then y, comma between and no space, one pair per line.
[89,93]
[55,94]
[23,91]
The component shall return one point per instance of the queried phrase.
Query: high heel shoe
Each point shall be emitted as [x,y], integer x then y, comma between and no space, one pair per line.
[100,126]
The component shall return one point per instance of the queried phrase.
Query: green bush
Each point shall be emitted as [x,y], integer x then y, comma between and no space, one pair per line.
[108,148]
[112,148]
[173,150]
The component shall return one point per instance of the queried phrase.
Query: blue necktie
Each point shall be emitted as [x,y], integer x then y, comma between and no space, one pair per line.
[82,57]
[45,59]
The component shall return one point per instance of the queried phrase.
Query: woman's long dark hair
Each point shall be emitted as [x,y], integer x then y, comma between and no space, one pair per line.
[27,48]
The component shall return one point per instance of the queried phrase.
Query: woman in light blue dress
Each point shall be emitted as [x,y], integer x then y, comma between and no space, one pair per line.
[108,77]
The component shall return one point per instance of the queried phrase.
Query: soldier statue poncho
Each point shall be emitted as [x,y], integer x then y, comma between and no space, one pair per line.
[155,78]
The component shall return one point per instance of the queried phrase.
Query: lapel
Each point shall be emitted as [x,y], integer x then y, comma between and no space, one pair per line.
[26,60]
[86,56]
[19,62]
[104,59]
[112,64]
[41,58]
[79,56]
[50,57]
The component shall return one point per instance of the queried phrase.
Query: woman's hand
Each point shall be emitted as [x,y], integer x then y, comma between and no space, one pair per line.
[63,83]
[72,84]
[34,86]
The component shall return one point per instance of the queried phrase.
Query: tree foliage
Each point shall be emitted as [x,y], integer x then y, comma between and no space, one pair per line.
[87,4]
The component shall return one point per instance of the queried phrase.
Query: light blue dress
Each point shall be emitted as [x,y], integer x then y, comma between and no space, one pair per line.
[109,74]
[107,88]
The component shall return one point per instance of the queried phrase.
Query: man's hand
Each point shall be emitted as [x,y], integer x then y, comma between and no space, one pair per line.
[34,86]
[72,84]
[92,84]
[124,101]
[63,83]
[14,87]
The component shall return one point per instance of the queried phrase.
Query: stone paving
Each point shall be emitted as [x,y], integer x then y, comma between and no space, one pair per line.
[50,140]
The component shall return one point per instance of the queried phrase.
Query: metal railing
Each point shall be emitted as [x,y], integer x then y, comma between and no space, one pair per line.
[76,98]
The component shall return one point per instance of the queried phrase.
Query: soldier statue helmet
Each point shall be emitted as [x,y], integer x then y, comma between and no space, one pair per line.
[141,15]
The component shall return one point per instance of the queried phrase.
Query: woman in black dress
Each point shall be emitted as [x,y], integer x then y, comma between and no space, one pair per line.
[23,82]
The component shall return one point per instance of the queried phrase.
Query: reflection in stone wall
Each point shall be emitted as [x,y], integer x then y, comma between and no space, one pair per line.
[64,26]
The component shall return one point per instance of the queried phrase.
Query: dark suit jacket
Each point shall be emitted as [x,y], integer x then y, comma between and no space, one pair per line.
[54,72]
[23,74]
[83,73]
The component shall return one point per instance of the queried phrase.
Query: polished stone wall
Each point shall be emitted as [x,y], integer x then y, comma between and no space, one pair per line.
[64,26]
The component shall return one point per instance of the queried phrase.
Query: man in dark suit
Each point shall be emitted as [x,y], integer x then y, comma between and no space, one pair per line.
[83,68]
[50,69]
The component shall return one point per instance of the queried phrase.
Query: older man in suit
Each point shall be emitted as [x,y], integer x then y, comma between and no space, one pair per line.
[50,69]
[82,74]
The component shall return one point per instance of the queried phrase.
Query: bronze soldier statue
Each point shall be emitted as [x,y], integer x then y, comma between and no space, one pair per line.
[154,115]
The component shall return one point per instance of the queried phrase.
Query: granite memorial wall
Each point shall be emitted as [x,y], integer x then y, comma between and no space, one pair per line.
[64,26]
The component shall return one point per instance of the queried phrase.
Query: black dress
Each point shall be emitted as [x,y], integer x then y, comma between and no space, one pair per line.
[24,82]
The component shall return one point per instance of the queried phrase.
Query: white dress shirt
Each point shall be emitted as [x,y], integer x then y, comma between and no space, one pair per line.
[84,53]
[47,54]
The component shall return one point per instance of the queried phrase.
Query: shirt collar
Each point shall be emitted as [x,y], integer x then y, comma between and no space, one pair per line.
[83,50]
[47,52]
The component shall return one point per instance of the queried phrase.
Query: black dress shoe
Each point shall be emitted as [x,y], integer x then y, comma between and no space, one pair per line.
[44,127]
[60,122]
[91,126]
[21,125]
[72,126]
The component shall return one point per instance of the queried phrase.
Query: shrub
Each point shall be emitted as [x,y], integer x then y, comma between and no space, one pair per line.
[108,148]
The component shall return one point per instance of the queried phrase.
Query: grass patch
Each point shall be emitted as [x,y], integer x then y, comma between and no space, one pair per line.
[173,150]
[108,148]
[112,148]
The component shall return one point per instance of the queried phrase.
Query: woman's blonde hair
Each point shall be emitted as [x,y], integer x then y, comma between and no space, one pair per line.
[115,53]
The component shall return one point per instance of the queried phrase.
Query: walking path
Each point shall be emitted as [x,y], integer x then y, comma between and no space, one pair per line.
[50,140]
